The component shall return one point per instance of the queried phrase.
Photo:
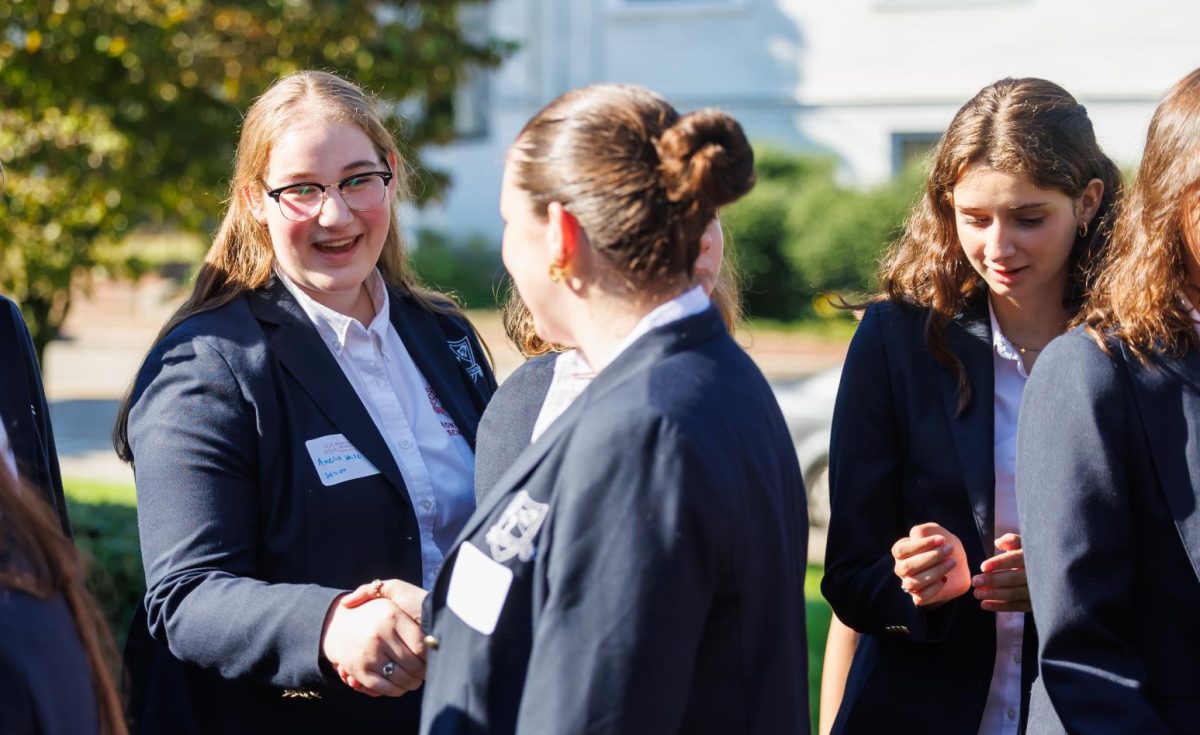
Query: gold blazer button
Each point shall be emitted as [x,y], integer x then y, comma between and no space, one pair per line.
[432,643]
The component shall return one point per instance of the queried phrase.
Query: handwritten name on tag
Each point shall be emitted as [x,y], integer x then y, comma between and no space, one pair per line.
[478,588]
[337,461]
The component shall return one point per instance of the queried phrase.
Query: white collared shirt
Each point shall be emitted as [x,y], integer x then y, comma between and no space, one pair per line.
[1002,713]
[435,461]
[573,374]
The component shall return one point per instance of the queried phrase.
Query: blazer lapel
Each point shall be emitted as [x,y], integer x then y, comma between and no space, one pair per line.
[437,355]
[295,341]
[1168,397]
[970,338]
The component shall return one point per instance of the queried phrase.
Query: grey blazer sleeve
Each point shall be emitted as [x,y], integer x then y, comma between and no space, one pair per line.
[193,433]
[1074,499]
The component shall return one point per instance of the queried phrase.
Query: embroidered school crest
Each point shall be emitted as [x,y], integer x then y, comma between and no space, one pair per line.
[462,350]
[514,533]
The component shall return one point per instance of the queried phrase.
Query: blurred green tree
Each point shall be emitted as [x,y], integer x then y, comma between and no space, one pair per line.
[123,113]
[800,236]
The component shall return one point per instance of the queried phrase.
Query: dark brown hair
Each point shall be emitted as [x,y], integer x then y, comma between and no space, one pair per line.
[642,181]
[241,258]
[38,559]
[1021,126]
[1137,292]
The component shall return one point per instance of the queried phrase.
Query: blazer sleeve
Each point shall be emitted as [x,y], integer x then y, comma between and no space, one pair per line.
[196,450]
[1073,497]
[866,465]
[630,575]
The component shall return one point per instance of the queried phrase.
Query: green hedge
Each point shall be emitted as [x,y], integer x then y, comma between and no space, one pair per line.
[800,235]
[107,535]
[469,270]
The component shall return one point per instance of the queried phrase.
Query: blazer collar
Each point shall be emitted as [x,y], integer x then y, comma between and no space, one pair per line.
[1167,392]
[299,348]
[970,338]
[640,356]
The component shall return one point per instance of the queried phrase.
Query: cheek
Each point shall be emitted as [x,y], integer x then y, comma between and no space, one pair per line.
[971,242]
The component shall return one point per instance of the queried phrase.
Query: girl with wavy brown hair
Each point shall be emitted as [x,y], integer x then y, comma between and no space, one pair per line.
[1109,480]
[924,556]
[55,648]
[639,568]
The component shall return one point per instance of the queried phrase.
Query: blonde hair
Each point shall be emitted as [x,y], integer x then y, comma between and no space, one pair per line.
[1137,294]
[241,258]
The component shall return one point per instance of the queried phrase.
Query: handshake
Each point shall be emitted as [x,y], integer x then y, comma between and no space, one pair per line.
[373,638]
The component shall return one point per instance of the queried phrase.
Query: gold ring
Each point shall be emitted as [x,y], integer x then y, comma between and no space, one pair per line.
[377,588]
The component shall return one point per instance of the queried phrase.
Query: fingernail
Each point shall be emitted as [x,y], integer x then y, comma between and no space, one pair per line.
[951,563]
[976,581]
[947,550]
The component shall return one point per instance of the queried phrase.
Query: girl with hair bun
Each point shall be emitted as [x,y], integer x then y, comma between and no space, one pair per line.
[640,567]
[1109,476]
[924,555]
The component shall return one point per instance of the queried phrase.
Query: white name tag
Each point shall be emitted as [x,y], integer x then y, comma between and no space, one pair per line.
[337,460]
[478,588]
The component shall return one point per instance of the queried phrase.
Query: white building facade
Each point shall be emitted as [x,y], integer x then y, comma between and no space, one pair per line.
[866,81]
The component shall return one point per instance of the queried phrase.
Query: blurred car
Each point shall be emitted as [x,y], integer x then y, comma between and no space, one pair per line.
[808,408]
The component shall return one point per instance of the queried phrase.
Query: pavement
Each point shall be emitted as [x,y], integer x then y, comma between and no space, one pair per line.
[113,324]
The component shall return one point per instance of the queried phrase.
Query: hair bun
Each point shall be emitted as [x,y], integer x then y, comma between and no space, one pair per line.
[705,158]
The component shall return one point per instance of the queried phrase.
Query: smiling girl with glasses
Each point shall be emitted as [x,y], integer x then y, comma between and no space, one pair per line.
[304,424]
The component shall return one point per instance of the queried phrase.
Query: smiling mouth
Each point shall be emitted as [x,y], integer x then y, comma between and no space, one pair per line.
[337,247]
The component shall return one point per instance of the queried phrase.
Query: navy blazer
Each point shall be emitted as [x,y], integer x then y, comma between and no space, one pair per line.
[25,413]
[244,548]
[506,427]
[664,588]
[1108,490]
[900,455]
[45,677]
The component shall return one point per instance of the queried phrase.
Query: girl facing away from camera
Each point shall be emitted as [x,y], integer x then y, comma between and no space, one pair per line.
[639,568]
[1109,474]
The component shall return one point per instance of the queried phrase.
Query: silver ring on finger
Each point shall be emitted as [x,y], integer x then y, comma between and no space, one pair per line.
[388,669]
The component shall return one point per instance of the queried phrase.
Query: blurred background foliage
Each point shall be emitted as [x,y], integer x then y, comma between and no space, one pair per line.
[800,236]
[121,115]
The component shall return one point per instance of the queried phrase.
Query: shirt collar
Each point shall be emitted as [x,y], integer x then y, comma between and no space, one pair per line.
[333,326]
[1192,312]
[690,302]
[1003,347]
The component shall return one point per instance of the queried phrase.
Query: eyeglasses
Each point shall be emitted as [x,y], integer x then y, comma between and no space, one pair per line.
[302,201]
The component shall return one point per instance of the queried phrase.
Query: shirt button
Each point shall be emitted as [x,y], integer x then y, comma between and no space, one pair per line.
[427,504]
[405,444]
[1012,713]
[1016,658]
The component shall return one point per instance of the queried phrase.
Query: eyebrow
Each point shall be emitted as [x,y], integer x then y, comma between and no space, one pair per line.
[1018,208]
[303,176]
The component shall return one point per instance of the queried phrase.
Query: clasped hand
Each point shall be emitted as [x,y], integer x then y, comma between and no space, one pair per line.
[373,638]
[933,570]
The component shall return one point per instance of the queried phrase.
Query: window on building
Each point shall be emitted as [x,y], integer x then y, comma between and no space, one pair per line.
[909,148]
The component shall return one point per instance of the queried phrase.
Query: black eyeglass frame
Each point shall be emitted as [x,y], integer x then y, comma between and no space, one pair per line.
[387,177]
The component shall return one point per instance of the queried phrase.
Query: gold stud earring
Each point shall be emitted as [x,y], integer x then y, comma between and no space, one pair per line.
[557,272]
[1083,229]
